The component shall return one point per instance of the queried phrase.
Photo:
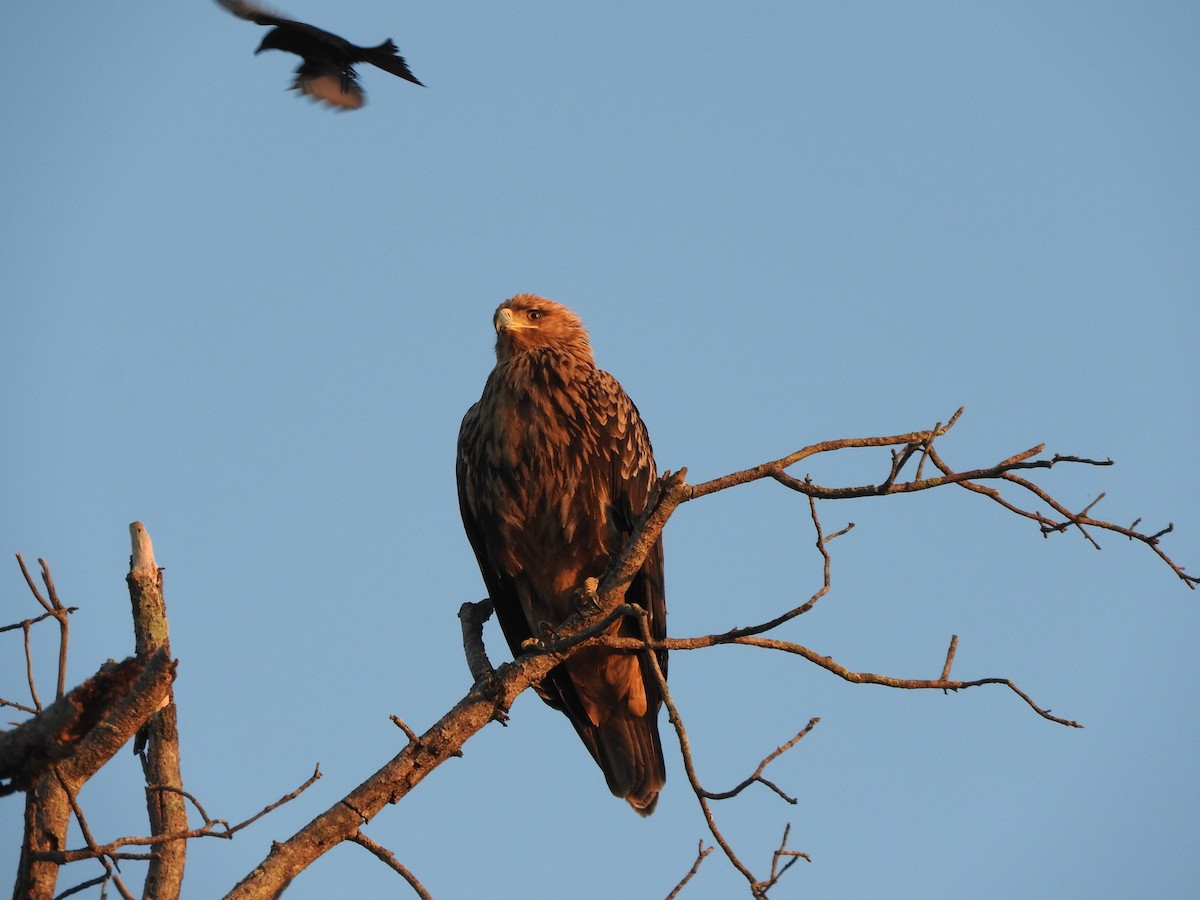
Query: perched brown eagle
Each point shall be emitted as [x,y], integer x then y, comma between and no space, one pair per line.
[554,468]
[327,70]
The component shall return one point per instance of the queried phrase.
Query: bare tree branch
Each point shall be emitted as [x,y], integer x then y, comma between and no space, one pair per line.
[701,853]
[950,651]
[82,887]
[495,690]
[54,609]
[923,442]
[391,783]
[52,797]
[49,799]
[158,741]
[28,622]
[33,694]
[472,616]
[216,828]
[28,751]
[52,755]
[792,857]
[389,859]
[1080,520]
[757,776]
[109,871]
[830,665]
[758,886]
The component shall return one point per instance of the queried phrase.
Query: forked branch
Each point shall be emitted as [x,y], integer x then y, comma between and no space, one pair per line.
[922,443]
[216,828]
[495,689]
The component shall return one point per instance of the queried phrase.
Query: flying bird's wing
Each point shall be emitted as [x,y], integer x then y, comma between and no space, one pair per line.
[252,12]
[386,57]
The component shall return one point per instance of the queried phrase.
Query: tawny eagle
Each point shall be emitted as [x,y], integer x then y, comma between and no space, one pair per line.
[326,72]
[554,468]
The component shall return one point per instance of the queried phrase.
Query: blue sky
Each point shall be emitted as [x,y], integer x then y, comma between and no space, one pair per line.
[254,325]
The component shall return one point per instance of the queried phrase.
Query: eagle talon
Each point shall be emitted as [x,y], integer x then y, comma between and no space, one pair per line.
[488,685]
[549,636]
[533,645]
[588,595]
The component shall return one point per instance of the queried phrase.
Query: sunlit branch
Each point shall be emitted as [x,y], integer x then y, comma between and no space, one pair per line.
[217,828]
[388,858]
[701,853]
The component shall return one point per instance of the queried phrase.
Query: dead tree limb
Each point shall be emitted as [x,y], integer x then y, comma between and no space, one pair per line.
[922,442]
[217,828]
[388,858]
[158,741]
[758,886]
[495,691]
[55,609]
[701,853]
[53,754]
[29,750]
[49,800]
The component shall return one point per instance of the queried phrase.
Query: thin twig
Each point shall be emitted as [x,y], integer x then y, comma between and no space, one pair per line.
[827,663]
[767,760]
[701,852]
[1003,470]
[64,628]
[100,879]
[689,766]
[37,702]
[792,857]
[33,587]
[27,622]
[1080,520]
[91,842]
[18,706]
[389,858]
[950,651]
[403,726]
[218,828]
[925,445]
[472,617]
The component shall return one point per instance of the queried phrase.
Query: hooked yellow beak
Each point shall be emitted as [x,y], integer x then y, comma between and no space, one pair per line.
[506,321]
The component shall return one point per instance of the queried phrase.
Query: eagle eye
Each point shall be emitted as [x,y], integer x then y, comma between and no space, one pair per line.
[534,315]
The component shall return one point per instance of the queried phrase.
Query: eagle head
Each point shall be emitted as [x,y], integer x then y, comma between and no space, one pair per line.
[527,322]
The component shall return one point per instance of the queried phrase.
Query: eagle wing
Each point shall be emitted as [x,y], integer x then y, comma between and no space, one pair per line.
[632,477]
[590,486]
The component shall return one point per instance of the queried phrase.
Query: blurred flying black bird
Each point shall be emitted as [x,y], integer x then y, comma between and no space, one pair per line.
[327,70]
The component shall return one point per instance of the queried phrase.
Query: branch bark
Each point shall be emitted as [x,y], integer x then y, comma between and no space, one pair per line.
[158,740]
[50,800]
[29,750]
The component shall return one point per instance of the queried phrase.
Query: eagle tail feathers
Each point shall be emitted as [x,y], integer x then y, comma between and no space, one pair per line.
[630,755]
